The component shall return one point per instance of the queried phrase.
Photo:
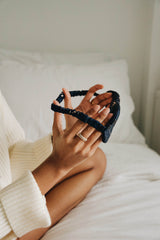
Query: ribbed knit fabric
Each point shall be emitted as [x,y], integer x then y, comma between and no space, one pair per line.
[13,131]
[22,206]
[5,226]
[10,236]
[28,155]
[23,193]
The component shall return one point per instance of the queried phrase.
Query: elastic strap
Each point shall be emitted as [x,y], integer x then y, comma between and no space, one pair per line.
[105,130]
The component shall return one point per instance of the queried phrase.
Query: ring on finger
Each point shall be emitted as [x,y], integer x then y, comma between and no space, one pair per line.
[81,137]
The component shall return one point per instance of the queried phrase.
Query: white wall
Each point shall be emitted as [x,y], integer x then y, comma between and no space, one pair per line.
[152,75]
[155,138]
[120,28]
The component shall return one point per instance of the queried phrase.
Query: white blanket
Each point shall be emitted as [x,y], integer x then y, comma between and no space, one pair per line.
[125,204]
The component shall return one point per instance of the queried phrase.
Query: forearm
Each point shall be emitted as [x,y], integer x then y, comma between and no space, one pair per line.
[47,175]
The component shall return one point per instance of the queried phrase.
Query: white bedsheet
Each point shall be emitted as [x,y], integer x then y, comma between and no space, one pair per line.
[125,204]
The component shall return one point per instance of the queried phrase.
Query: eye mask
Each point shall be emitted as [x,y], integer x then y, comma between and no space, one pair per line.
[105,130]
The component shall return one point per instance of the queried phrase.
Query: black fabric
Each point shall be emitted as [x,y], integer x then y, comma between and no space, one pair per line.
[105,130]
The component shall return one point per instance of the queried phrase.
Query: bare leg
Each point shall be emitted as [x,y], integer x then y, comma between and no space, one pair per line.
[71,190]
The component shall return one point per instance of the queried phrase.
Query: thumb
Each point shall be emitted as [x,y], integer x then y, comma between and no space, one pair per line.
[57,124]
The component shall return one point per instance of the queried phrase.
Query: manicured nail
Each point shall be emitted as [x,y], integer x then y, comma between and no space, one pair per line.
[110,116]
[97,107]
[56,102]
[106,110]
[94,101]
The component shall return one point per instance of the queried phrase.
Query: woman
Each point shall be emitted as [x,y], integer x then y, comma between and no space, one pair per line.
[39,198]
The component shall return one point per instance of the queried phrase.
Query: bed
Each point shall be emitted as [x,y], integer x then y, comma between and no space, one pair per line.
[125,203]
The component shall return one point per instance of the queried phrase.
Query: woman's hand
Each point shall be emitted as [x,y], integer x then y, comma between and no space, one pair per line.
[69,150]
[86,104]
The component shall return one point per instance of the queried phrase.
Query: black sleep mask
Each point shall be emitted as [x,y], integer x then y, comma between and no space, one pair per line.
[105,130]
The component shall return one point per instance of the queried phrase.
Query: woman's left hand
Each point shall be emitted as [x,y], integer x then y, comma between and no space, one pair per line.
[102,100]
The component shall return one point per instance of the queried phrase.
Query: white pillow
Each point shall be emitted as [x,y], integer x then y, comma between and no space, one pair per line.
[50,57]
[30,89]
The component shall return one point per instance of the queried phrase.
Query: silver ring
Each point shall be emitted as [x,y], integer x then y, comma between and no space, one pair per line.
[81,137]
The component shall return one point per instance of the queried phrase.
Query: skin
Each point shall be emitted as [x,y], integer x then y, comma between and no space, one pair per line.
[69,173]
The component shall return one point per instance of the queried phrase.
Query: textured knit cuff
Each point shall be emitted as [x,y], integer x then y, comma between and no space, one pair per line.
[10,236]
[5,227]
[24,205]
[43,148]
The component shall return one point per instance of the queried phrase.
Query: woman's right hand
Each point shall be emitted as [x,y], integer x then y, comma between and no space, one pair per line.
[68,149]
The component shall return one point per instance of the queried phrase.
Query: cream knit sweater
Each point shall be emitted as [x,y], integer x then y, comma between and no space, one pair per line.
[22,206]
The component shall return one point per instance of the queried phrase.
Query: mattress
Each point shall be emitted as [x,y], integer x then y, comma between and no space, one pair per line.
[124,204]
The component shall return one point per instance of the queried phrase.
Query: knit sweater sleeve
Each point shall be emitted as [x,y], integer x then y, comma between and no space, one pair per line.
[26,155]
[22,207]
[13,130]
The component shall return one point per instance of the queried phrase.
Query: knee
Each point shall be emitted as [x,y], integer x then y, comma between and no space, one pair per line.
[99,162]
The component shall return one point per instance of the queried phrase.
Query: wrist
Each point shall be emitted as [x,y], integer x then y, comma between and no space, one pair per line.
[53,162]
[48,174]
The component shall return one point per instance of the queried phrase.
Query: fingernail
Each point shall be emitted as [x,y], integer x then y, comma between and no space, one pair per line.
[96,107]
[111,115]
[106,110]
[94,102]
[56,102]
[99,107]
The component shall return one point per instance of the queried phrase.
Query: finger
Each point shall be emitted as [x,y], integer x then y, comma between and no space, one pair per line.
[89,129]
[67,99]
[67,104]
[105,102]
[79,124]
[96,144]
[101,97]
[107,119]
[96,138]
[91,92]
[57,124]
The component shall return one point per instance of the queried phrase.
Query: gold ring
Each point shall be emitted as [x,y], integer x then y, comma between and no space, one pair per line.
[81,137]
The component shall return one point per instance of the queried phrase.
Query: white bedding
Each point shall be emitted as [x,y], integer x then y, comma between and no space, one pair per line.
[125,204]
